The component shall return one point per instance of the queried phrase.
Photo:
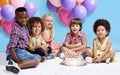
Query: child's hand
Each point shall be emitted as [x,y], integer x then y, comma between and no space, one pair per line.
[97,59]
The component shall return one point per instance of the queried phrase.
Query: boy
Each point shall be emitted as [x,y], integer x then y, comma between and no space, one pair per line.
[75,42]
[19,41]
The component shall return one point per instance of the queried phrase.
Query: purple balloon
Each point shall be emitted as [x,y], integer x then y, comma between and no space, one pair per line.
[68,4]
[8,12]
[79,12]
[31,8]
[51,6]
[90,5]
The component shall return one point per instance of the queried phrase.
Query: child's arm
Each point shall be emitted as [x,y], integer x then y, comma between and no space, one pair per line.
[76,47]
[94,52]
[94,49]
[72,45]
[31,47]
[14,56]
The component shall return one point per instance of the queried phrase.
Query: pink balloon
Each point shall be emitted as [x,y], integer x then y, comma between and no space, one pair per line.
[56,3]
[18,3]
[0,14]
[65,16]
[7,26]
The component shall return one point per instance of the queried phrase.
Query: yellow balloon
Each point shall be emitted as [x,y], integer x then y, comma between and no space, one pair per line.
[3,2]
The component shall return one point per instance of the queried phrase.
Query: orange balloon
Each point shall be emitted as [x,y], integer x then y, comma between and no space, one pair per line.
[3,2]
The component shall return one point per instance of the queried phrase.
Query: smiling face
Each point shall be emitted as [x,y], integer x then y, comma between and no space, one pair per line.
[22,18]
[75,28]
[48,22]
[101,32]
[36,29]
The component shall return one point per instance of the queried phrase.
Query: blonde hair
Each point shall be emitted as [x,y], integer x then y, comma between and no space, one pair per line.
[52,29]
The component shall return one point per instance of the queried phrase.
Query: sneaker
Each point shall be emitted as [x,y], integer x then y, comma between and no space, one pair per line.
[89,60]
[10,62]
[12,69]
[50,56]
[107,61]
[62,55]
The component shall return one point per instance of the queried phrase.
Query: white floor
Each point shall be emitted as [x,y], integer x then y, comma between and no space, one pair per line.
[54,67]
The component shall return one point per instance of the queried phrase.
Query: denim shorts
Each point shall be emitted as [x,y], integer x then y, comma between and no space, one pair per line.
[25,55]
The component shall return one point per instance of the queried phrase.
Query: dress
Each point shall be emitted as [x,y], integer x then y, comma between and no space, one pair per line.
[36,41]
[101,47]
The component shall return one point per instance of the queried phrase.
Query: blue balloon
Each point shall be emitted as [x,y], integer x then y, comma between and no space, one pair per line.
[8,12]
[90,5]
[79,12]
[68,4]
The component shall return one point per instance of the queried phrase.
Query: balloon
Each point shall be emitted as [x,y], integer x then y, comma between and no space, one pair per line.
[31,8]
[68,4]
[3,2]
[79,12]
[90,5]
[65,16]
[18,3]
[0,22]
[56,2]
[57,45]
[0,14]
[8,12]
[51,6]
[7,26]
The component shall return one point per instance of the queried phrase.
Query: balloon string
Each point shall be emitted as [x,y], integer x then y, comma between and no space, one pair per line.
[67,28]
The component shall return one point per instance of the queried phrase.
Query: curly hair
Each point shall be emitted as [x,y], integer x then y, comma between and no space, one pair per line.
[102,22]
[34,20]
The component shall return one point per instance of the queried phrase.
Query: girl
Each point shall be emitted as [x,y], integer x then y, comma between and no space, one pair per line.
[102,44]
[37,44]
[48,33]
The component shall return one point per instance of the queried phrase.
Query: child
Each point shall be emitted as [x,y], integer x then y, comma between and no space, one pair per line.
[75,42]
[19,41]
[37,44]
[48,33]
[102,43]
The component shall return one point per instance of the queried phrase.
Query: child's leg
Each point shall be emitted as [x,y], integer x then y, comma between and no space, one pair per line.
[28,59]
[87,51]
[28,64]
[110,55]
[49,50]
[40,52]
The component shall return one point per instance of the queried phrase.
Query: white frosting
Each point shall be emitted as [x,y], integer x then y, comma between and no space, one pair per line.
[73,61]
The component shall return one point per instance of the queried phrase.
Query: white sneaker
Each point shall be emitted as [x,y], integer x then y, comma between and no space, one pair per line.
[107,61]
[88,60]
[62,55]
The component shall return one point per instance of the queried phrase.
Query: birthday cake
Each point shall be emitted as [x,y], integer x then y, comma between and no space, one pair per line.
[74,61]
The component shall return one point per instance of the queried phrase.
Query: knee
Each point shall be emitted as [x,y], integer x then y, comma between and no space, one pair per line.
[113,53]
